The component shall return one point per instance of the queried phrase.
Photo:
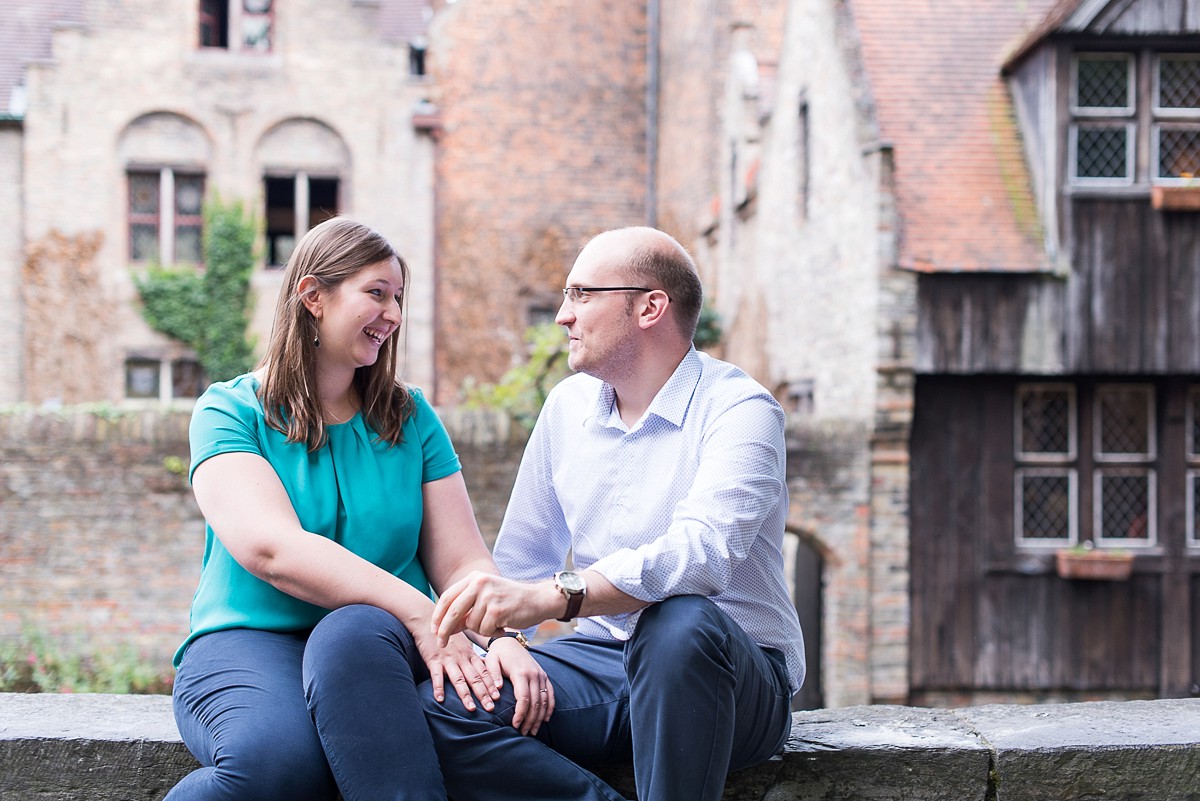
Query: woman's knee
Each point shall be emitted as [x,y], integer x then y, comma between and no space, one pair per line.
[356,635]
[276,768]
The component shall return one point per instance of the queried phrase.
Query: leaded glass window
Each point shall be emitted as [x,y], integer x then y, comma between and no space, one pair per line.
[1124,422]
[1045,422]
[1045,506]
[1103,84]
[1124,503]
[1103,153]
[1178,85]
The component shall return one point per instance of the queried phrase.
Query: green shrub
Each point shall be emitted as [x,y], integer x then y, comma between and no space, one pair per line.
[32,663]
[522,390]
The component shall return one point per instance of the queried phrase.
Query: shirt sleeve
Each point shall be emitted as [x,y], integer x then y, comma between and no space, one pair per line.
[534,539]
[437,451]
[739,482]
[222,422]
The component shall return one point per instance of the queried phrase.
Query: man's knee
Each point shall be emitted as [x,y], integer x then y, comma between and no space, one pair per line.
[676,628]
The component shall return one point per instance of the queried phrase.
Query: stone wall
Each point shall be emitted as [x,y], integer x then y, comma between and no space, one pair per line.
[112,748]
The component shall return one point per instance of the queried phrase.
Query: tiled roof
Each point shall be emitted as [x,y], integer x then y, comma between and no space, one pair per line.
[25,27]
[963,191]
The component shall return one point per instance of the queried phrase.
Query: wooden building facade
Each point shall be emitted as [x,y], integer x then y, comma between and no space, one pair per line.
[1057,406]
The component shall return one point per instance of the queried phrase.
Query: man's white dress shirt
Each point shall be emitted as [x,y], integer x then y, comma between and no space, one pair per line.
[690,501]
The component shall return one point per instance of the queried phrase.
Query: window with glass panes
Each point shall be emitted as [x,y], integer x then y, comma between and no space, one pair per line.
[1106,108]
[1193,468]
[1115,474]
[165,216]
[245,26]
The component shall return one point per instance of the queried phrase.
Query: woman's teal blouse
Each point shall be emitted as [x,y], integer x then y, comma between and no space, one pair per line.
[357,491]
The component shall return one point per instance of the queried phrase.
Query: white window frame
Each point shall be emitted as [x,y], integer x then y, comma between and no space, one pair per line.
[1151,540]
[1072,412]
[1170,111]
[1155,146]
[1104,111]
[1151,423]
[1130,154]
[1193,536]
[1072,511]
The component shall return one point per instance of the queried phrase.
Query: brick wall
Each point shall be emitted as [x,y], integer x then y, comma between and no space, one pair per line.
[543,146]
[100,543]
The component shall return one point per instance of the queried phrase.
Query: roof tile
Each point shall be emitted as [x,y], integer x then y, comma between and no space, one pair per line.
[962,184]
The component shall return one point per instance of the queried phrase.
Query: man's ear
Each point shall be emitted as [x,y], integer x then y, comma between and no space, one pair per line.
[654,308]
[310,295]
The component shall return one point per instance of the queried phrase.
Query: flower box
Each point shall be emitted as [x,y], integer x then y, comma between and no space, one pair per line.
[1094,564]
[1175,198]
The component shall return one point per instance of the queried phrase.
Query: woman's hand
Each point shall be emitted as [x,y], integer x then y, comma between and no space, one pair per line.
[458,662]
[531,685]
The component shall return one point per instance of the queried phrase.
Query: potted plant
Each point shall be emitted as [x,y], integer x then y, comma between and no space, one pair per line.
[1085,561]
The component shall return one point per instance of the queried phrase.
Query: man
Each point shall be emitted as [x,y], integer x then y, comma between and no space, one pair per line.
[661,471]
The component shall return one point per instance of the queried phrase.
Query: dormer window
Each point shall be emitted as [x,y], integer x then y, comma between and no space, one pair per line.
[1103,133]
[1111,121]
[1176,139]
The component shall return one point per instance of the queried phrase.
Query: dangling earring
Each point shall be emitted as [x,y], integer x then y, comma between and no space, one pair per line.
[317,341]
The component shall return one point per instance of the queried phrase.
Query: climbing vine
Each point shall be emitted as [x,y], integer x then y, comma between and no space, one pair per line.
[209,309]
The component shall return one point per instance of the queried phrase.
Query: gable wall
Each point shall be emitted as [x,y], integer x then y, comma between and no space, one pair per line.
[328,65]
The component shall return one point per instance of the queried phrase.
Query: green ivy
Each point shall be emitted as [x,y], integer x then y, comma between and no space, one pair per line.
[209,309]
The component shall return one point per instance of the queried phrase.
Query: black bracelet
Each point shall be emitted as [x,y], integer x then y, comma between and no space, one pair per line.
[516,635]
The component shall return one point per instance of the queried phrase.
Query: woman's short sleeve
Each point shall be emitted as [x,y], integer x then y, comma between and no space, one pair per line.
[225,420]
[437,451]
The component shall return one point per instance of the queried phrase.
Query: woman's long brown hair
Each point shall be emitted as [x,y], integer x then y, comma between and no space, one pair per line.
[331,252]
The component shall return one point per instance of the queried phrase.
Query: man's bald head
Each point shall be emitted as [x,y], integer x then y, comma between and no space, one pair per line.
[650,258]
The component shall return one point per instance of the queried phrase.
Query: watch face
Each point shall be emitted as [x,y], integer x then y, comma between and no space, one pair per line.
[571,582]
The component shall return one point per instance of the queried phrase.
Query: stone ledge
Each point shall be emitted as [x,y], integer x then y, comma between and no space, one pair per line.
[120,747]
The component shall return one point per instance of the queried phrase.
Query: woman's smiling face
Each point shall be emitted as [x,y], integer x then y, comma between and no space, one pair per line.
[359,314]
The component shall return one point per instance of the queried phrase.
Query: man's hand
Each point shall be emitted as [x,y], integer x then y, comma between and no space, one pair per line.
[488,604]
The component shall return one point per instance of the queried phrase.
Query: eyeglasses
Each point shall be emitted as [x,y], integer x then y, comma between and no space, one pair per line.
[578,293]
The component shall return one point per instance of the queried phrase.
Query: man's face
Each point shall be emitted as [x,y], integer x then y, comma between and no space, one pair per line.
[600,325]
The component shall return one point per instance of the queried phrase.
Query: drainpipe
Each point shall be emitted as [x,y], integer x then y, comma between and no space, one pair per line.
[652,54]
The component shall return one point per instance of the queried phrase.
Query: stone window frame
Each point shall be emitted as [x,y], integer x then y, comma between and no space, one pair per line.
[168,218]
[174,371]
[303,215]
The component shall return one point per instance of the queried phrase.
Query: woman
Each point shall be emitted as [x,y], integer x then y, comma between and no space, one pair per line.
[328,485]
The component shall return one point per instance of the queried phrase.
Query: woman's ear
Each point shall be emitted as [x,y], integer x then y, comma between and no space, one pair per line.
[310,295]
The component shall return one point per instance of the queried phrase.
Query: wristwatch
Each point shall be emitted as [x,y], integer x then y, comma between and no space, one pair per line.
[574,589]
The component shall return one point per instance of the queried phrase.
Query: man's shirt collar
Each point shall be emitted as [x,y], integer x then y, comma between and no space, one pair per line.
[670,404]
